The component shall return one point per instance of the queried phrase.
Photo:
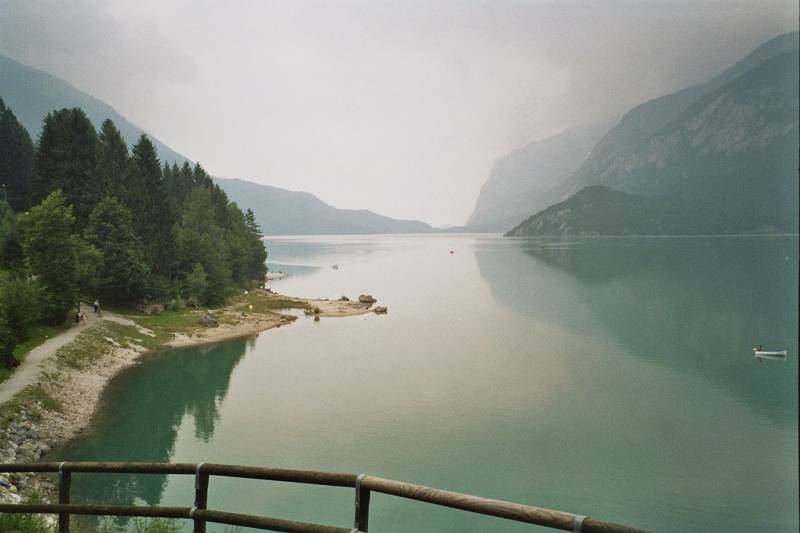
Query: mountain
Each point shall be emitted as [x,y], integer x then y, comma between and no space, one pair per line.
[598,210]
[521,182]
[724,153]
[282,212]
[623,158]
[32,93]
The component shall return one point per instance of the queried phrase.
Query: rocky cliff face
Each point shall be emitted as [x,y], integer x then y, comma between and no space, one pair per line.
[726,159]
[624,158]
[745,118]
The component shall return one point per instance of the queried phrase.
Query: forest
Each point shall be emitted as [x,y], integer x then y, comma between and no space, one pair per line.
[85,218]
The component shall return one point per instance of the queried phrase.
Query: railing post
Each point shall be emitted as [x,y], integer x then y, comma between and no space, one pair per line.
[200,498]
[362,506]
[64,481]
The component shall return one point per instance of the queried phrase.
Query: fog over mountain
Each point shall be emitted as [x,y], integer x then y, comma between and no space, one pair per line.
[401,108]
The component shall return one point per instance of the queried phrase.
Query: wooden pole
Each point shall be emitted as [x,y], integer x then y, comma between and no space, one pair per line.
[200,498]
[362,506]
[64,482]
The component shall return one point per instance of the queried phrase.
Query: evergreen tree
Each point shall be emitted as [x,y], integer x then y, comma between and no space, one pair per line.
[198,240]
[146,198]
[66,160]
[52,252]
[123,275]
[252,225]
[112,160]
[11,254]
[16,160]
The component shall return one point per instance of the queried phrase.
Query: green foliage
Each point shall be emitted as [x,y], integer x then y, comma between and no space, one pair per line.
[196,285]
[19,307]
[16,160]
[112,160]
[11,252]
[66,160]
[149,232]
[145,197]
[123,274]
[90,264]
[199,240]
[52,251]
[24,523]
[156,525]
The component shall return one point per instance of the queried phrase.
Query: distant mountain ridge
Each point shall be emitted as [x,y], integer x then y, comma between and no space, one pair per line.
[522,181]
[32,93]
[283,212]
[723,154]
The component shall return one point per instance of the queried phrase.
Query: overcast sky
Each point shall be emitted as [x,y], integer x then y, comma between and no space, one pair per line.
[400,107]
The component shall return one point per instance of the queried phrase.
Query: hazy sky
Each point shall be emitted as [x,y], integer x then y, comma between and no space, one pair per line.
[401,106]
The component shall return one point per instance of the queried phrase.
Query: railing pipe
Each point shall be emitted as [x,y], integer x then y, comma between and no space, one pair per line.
[95,509]
[502,509]
[363,486]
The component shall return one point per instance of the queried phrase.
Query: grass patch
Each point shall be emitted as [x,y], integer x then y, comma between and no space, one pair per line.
[87,347]
[126,336]
[265,302]
[171,320]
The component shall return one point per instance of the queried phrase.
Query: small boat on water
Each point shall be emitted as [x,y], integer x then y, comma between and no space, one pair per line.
[763,354]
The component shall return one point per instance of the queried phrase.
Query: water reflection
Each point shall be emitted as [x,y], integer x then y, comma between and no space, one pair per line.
[148,408]
[697,305]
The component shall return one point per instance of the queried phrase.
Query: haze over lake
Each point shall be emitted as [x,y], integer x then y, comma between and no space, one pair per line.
[606,377]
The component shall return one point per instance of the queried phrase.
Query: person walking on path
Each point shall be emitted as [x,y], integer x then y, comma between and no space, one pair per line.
[97,306]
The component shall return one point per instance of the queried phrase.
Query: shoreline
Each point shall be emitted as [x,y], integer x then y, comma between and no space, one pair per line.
[68,392]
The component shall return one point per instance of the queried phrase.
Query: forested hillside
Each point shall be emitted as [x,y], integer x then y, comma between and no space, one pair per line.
[81,216]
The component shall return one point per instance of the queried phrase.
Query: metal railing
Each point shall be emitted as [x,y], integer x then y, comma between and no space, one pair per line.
[362,484]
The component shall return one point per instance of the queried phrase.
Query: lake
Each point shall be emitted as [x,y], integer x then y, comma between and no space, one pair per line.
[607,377]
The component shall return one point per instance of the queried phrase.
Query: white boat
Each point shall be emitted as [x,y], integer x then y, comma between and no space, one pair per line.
[763,354]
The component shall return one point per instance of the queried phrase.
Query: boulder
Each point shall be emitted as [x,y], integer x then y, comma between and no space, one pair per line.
[208,321]
[367,299]
[380,310]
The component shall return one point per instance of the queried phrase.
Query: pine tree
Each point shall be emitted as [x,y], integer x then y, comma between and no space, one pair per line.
[16,160]
[112,160]
[252,225]
[66,160]
[146,198]
[123,275]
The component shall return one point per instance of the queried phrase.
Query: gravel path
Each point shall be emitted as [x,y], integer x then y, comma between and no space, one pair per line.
[27,372]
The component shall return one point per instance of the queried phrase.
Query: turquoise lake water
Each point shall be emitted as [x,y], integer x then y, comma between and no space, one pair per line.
[609,377]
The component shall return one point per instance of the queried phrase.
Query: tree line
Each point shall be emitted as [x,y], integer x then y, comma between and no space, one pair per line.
[81,214]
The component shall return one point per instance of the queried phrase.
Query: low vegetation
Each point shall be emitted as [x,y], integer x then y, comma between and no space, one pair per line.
[33,399]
